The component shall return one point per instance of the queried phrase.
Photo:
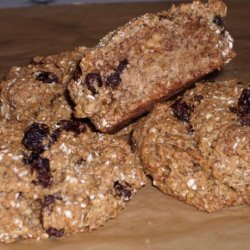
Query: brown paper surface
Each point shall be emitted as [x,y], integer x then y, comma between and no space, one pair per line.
[151,220]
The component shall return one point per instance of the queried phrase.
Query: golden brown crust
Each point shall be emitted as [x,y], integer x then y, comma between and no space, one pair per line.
[63,181]
[145,108]
[147,60]
[36,92]
[197,147]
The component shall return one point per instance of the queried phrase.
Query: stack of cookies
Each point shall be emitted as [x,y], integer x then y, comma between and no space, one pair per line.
[81,130]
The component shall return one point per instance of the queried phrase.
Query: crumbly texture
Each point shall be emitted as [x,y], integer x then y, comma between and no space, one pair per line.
[19,205]
[60,182]
[197,148]
[149,59]
[38,92]
[101,175]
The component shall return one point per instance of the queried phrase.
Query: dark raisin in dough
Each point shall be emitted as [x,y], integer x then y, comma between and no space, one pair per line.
[43,173]
[34,136]
[181,110]
[47,77]
[93,80]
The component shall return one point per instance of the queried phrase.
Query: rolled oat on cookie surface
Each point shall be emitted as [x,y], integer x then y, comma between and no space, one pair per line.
[197,148]
[61,181]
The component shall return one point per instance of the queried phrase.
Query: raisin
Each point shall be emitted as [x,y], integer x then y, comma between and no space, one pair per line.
[122,191]
[244,119]
[92,80]
[48,202]
[77,125]
[77,73]
[34,136]
[244,102]
[198,98]
[122,65]
[29,159]
[243,108]
[47,77]
[43,173]
[113,80]
[218,21]
[181,110]
[55,232]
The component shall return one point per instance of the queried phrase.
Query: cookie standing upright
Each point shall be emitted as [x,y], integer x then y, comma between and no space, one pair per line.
[63,181]
[38,92]
[197,148]
[149,59]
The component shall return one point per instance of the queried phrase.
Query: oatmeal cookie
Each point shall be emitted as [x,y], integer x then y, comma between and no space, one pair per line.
[38,92]
[197,148]
[62,181]
[149,59]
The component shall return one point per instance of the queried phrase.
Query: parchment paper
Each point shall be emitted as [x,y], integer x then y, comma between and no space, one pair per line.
[152,220]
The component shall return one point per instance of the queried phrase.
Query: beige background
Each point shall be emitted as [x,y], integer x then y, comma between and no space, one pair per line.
[152,220]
